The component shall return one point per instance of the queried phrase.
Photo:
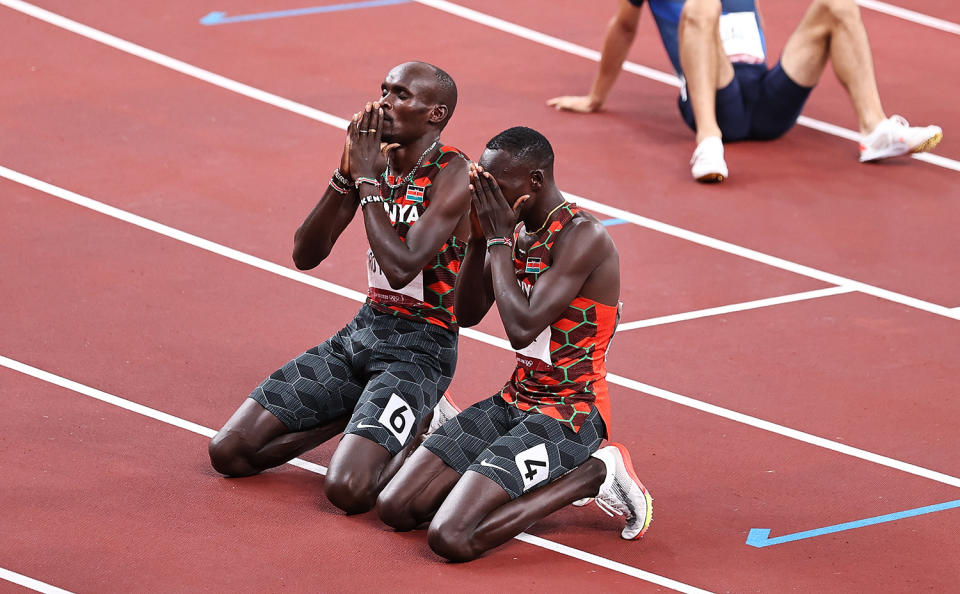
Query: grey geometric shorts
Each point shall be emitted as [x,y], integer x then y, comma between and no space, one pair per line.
[386,372]
[517,449]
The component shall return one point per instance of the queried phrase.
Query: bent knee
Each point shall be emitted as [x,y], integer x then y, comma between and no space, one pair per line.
[701,13]
[450,544]
[395,513]
[839,10]
[353,492]
[227,457]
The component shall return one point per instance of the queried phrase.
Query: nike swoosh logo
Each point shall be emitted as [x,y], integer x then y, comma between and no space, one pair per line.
[485,463]
[365,426]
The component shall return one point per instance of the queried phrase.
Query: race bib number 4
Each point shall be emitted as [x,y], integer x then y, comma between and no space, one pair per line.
[534,465]
[380,288]
[742,38]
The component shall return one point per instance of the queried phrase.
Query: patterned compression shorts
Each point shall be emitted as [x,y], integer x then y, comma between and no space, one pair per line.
[386,372]
[517,449]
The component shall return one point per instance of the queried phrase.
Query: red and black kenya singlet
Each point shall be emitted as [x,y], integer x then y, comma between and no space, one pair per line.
[429,296]
[563,372]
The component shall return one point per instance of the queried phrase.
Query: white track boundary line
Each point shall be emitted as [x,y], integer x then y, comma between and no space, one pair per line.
[471,333]
[910,15]
[634,68]
[341,123]
[724,309]
[153,413]
[731,248]
[29,582]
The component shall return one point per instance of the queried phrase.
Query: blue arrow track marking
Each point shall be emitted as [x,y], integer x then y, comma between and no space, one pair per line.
[221,18]
[758,537]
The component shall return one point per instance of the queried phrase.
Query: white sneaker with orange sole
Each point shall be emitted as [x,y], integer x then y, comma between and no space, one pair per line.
[707,164]
[622,493]
[895,136]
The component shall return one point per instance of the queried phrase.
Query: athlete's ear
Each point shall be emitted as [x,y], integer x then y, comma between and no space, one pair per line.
[536,180]
[438,114]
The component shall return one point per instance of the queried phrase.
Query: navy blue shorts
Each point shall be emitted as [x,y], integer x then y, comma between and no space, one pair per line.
[758,104]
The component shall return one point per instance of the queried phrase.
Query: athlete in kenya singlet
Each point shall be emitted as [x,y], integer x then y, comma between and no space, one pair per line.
[429,296]
[562,373]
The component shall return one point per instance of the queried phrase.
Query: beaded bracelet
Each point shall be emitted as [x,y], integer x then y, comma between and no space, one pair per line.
[338,188]
[372,198]
[367,180]
[341,178]
[499,241]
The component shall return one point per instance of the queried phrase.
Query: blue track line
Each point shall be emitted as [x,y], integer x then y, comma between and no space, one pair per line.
[758,537]
[221,18]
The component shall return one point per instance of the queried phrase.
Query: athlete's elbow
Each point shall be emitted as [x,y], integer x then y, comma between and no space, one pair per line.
[305,260]
[520,338]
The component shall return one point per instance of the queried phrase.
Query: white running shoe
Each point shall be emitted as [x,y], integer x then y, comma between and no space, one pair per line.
[707,164]
[622,493]
[442,412]
[894,137]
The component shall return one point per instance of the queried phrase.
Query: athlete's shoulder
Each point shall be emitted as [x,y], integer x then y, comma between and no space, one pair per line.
[586,232]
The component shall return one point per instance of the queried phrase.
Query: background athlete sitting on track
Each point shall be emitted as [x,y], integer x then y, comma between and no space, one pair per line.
[718,50]
[512,459]
[384,372]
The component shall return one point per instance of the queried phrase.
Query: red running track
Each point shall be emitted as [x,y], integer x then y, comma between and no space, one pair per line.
[106,499]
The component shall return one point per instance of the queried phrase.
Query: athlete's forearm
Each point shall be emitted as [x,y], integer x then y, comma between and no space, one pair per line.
[473,294]
[315,237]
[616,45]
[512,303]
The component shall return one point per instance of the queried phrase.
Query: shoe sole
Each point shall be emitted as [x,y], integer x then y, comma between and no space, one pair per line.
[928,144]
[711,178]
[628,464]
[923,147]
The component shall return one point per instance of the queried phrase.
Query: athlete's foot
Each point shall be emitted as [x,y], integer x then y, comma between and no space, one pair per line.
[894,136]
[707,164]
[442,412]
[622,493]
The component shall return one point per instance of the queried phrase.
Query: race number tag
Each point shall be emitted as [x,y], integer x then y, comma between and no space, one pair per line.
[397,418]
[534,465]
[380,286]
[539,349]
[742,39]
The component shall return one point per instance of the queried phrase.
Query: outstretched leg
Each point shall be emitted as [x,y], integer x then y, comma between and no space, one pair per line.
[832,30]
[706,67]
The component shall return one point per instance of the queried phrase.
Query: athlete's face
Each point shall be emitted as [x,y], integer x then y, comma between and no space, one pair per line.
[511,175]
[409,97]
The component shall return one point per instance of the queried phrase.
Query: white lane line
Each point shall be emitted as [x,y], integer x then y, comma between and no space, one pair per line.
[731,248]
[910,15]
[336,122]
[174,64]
[310,466]
[724,309]
[841,448]
[29,582]
[233,254]
[634,68]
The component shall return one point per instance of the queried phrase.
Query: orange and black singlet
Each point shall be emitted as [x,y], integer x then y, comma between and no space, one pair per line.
[429,296]
[563,372]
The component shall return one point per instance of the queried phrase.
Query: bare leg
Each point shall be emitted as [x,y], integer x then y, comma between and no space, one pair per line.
[361,468]
[417,491]
[706,67]
[832,29]
[253,440]
[478,514]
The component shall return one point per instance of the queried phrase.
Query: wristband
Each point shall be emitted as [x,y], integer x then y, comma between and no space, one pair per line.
[344,181]
[366,180]
[338,188]
[368,199]
[499,241]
